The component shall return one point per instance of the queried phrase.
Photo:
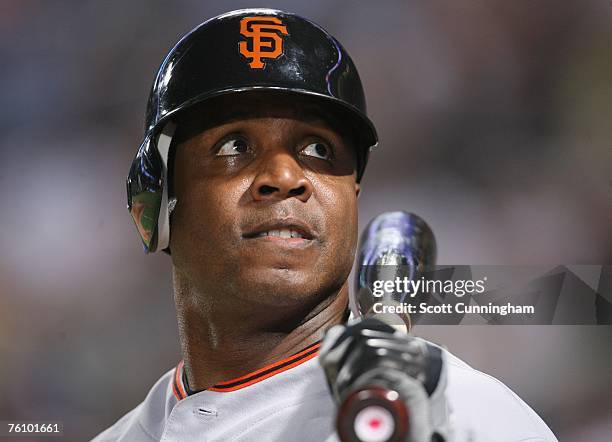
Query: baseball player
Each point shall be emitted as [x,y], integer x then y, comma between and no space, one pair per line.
[255,144]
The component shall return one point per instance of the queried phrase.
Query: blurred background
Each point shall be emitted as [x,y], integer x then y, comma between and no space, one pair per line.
[495,126]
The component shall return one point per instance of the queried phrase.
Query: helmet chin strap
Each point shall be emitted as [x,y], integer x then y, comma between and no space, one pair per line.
[163,221]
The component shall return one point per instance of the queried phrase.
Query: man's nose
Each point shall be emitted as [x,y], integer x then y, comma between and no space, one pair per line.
[280,177]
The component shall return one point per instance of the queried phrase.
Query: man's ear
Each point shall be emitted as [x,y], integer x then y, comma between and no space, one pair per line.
[357,189]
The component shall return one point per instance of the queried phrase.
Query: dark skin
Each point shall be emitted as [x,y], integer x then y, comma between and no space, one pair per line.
[248,172]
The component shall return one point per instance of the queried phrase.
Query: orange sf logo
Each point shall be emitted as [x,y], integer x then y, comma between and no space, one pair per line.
[266,40]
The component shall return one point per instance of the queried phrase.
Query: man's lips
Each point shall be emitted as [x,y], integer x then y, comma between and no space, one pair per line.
[289,229]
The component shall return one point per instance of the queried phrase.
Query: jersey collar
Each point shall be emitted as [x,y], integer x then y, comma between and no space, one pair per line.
[181,389]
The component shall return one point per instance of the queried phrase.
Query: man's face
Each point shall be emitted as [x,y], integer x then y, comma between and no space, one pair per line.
[267,201]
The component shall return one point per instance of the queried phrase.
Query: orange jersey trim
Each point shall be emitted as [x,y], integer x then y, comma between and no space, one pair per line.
[177,384]
[251,378]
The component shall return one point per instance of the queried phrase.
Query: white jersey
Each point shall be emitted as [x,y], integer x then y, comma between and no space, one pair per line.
[289,401]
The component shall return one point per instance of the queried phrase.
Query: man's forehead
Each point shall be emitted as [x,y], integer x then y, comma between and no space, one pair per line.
[256,105]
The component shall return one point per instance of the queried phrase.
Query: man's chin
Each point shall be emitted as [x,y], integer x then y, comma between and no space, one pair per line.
[279,287]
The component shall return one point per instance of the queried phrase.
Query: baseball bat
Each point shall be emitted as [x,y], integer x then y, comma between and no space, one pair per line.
[394,244]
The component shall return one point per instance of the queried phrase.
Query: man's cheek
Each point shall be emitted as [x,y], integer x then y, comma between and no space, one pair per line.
[350,210]
[343,228]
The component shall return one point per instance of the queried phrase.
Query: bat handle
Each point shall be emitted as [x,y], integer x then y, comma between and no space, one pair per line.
[373,413]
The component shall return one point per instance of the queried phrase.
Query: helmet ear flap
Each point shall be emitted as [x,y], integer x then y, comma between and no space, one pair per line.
[147,192]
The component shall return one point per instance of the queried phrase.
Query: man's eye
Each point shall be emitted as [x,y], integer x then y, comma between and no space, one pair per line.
[233,146]
[317,150]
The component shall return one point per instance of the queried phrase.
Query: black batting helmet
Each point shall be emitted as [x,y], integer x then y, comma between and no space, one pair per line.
[245,50]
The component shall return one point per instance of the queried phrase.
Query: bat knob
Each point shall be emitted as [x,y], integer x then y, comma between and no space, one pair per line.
[373,414]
